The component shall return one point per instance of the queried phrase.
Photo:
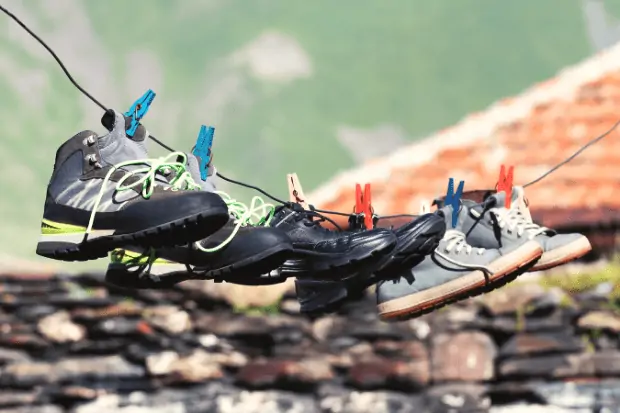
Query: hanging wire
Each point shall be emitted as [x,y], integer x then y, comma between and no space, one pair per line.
[312,208]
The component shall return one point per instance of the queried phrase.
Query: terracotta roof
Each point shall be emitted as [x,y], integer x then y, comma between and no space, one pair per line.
[532,131]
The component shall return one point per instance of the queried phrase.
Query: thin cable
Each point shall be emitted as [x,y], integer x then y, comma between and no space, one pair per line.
[49,49]
[573,156]
[88,95]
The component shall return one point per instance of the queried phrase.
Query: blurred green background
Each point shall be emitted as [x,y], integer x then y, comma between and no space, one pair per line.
[312,87]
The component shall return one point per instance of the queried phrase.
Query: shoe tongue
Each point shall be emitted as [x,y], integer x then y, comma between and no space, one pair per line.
[117,146]
[520,201]
[193,166]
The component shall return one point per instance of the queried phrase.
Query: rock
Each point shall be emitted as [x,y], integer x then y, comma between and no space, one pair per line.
[195,368]
[553,366]
[170,319]
[540,343]
[331,328]
[75,370]
[460,397]
[48,408]
[100,346]
[466,356]
[372,402]
[257,333]
[12,356]
[403,350]
[550,319]
[240,296]
[59,328]
[284,373]
[393,374]
[455,317]
[115,327]
[34,313]
[73,394]
[266,401]
[523,299]
[122,309]
[25,341]
[600,320]
[17,398]
[291,307]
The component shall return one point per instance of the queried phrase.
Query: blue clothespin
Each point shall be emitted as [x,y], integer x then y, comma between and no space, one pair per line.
[454,199]
[202,150]
[138,110]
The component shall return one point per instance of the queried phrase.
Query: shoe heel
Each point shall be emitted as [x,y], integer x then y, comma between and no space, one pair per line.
[316,295]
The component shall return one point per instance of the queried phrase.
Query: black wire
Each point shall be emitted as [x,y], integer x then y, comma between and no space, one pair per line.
[573,156]
[322,211]
[49,49]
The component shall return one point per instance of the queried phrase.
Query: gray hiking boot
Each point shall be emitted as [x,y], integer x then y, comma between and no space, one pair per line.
[497,226]
[104,193]
[454,271]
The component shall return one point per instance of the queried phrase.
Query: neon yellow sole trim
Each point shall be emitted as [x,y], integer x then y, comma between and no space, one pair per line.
[125,257]
[54,228]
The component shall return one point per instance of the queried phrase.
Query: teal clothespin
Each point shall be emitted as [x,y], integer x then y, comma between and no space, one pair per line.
[202,150]
[138,110]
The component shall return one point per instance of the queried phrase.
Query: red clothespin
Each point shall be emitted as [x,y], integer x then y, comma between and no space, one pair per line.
[363,207]
[504,183]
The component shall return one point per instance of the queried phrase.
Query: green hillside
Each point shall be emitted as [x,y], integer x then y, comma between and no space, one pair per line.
[417,65]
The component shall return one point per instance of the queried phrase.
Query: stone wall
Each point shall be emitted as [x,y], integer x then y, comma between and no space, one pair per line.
[71,344]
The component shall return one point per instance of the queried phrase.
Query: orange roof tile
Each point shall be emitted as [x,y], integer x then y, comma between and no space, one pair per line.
[533,131]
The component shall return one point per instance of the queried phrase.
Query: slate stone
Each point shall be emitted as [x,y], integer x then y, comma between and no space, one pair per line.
[541,343]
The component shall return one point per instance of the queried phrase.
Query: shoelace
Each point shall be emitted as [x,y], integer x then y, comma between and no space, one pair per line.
[456,241]
[513,220]
[258,213]
[147,179]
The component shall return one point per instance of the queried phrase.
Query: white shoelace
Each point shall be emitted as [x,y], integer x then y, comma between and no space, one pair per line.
[514,221]
[456,243]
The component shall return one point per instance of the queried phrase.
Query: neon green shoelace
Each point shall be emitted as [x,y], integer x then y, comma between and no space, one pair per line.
[147,180]
[257,214]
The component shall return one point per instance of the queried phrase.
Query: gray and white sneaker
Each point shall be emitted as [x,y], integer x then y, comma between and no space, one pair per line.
[491,225]
[454,271]
[105,193]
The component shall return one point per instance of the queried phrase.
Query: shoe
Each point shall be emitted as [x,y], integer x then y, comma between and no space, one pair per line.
[243,251]
[105,193]
[492,225]
[416,239]
[454,271]
[327,264]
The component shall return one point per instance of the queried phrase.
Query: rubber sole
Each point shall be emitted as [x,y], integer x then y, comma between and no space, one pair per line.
[325,296]
[178,232]
[469,285]
[563,255]
[254,270]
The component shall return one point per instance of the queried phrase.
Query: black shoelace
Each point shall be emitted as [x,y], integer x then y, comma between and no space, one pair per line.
[313,212]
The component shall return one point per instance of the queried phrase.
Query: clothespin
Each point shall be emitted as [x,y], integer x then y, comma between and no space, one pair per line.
[137,111]
[295,191]
[454,199]
[202,150]
[504,183]
[363,213]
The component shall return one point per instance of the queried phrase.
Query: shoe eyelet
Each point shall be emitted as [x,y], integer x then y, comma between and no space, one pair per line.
[90,141]
[91,158]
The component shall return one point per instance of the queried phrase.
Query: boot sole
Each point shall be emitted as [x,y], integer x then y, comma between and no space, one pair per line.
[73,247]
[505,269]
[563,255]
[248,271]
[319,296]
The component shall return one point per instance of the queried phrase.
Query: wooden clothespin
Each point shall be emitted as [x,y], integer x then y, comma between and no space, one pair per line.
[363,214]
[295,191]
[504,183]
